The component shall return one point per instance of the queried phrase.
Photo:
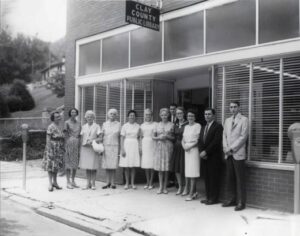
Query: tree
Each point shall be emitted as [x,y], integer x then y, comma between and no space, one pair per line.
[4,111]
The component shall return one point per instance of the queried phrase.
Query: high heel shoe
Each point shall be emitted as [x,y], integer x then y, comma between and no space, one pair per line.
[56,186]
[50,188]
[106,186]
[179,191]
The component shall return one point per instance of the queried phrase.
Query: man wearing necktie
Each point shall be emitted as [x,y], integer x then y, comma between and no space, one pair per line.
[235,137]
[210,149]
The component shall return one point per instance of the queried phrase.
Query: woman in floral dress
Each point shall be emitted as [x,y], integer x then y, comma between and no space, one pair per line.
[54,152]
[72,132]
[111,141]
[164,149]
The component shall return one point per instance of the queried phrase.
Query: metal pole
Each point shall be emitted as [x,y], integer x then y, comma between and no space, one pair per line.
[25,139]
[297,189]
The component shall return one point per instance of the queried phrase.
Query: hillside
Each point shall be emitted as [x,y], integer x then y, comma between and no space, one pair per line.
[43,98]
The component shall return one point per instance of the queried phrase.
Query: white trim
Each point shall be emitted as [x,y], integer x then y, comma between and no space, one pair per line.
[204,33]
[77,60]
[125,99]
[222,57]
[163,41]
[250,109]
[223,93]
[257,22]
[213,86]
[195,8]
[101,55]
[132,94]
[77,97]
[280,141]
[107,99]
[94,99]
[269,165]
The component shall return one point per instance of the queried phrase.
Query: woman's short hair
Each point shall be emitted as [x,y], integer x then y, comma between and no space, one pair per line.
[132,111]
[148,110]
[112,110]
[164,110]
[89,112]
[193,111]
[180,108]
[52,116]
[73,109]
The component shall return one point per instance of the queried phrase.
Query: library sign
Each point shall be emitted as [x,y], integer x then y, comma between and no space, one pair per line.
[143,15]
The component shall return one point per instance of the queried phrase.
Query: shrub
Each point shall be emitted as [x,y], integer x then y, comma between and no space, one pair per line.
[14,103]
[19,89]
[4,111]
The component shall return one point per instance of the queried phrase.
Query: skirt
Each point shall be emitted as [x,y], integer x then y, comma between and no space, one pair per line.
[148,147]
[110,157]
[178,158]
[192,163]
[72,153]
[163,156]
[132,157]
[88,158]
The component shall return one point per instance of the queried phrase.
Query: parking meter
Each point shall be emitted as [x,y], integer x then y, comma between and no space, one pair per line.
[294,135]
[25,139]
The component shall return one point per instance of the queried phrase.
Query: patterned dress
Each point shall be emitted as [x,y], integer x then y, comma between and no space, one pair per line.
[131,145]
[164,148]
[178,154]
[54,151]
[111,142]
[192,160]
[72,131]
[148,145]
[89,159]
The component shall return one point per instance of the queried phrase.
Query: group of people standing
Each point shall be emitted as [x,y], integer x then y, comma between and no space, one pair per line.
[177,144]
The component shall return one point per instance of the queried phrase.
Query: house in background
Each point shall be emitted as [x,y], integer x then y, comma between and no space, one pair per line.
[49,73]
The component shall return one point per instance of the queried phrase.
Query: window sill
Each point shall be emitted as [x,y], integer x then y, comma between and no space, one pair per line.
[273,166]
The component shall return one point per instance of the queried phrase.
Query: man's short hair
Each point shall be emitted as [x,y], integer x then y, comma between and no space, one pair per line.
[173,105]
[213,111]
[236,102]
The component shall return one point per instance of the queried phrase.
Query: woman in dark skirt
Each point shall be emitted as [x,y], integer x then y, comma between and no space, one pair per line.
[178,154]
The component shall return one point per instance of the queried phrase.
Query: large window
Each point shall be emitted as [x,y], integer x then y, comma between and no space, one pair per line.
[184,36]
[145,47]
[274,106]
[122,95]
[278,19]
[231,26]
[115,52]
[89,58]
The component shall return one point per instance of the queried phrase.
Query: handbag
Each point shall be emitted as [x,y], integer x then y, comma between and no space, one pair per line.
[97,147]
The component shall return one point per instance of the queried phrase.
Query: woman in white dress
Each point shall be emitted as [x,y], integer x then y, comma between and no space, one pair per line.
[164,136]
[89,159]
[130,152]
[148,147]
[111,141]
[192,161]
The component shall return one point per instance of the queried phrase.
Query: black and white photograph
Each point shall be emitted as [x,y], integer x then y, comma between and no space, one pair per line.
[150,117]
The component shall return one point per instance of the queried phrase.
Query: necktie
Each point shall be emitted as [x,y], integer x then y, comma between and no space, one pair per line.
[232,124]
[205,132]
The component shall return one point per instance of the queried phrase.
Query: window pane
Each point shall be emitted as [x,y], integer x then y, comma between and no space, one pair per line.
[231,26]
[115,52]
[100,103]
[291,101]
[89,58]
[265,113]
[184,36]
[88,100]
[278,20]
[145,46]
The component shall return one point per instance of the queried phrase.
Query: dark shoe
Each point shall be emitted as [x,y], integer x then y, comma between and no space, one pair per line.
[50,189]
[211,202]
[240,207]
[228,204]
[204,201]
[57,187]
[113,187]
[106,186]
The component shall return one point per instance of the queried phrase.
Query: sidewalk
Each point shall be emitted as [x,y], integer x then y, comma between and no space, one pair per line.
[142,212]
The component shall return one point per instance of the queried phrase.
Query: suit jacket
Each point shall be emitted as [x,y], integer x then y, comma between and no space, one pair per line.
[235,138]
[213,141]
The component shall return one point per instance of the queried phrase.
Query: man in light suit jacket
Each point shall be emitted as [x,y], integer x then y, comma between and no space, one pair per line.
[210,149]
[235,137]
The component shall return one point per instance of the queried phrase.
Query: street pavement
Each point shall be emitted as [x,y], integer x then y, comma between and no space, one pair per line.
[120,212]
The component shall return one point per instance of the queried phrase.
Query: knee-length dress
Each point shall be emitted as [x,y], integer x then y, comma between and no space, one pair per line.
[54,151]
[192,160]
[111,142]
[131,145]
[89,159]
[164,148]
[148,145]
[178,153]
[72,132]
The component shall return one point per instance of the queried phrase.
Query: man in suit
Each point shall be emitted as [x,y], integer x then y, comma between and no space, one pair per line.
[210,149]
[235,137]
[172,109]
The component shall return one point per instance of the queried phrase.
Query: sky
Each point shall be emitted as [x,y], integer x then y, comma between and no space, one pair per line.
[45,19]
